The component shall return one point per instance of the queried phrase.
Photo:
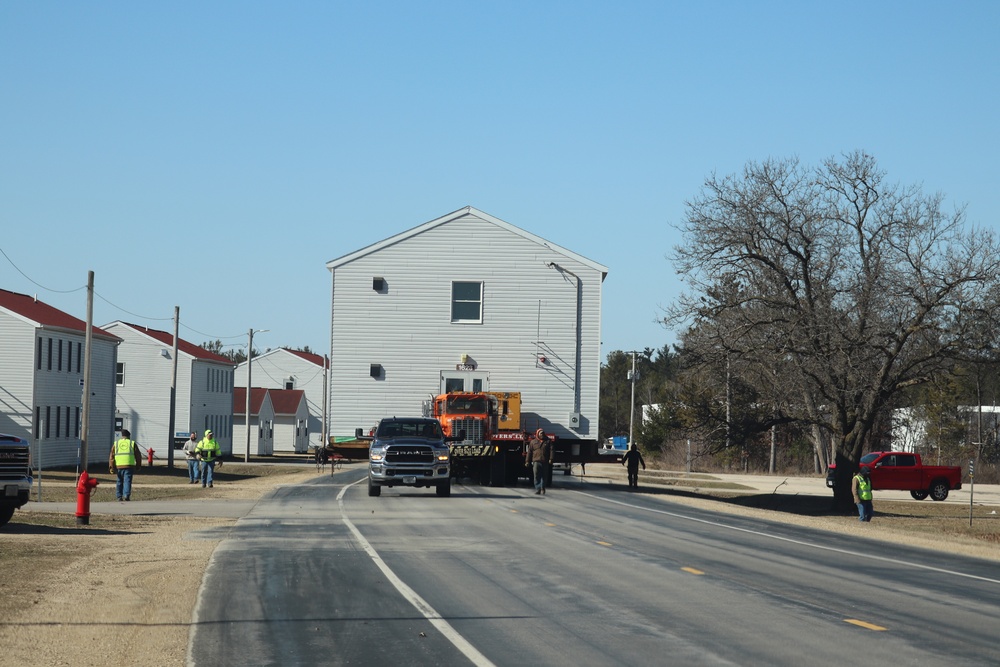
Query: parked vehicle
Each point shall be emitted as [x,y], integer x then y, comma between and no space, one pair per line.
[409,451]
[905,471]
[15,475]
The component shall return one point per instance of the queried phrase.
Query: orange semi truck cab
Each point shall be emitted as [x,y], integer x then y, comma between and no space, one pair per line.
[493,447]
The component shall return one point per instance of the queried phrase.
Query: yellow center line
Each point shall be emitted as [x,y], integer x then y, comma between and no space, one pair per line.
[870,626]
[604,544]
[550,525]
[691,570]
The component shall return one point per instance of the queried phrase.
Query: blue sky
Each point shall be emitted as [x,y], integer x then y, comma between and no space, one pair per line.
[215,155]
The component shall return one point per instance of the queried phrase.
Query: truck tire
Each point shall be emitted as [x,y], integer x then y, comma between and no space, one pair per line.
[374,489]
[6,513]
[939,490]
[918,495]
[444,490]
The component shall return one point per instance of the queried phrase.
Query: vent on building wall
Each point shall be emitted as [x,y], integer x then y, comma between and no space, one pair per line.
[378,284]
[376,370]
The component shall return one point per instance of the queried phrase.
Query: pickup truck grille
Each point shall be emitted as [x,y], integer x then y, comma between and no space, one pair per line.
[409,454]
[14,462]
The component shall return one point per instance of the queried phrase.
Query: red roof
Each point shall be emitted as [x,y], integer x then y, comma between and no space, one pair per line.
[166,338]
[257,395]
[286,401]
[308,356]
[45,316]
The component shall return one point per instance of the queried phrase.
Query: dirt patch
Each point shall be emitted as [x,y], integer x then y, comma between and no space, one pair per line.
[120,591]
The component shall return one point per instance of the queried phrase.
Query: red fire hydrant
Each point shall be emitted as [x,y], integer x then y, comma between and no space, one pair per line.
[149,456]
[84,489]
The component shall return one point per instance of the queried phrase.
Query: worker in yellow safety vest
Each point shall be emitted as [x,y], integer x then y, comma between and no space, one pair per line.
[125,458]
[861,487]
[208,451]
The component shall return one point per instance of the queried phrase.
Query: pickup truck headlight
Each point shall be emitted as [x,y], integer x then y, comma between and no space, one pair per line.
[443,456]
[376,453]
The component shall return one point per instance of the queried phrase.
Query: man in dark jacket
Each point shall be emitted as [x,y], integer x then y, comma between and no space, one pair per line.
[632,460]
[539,458]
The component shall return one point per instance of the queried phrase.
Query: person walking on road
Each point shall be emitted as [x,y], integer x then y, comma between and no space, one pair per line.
[861,488]
[539,459]
[191,456]
[632,460]
[208,453]
[125,457]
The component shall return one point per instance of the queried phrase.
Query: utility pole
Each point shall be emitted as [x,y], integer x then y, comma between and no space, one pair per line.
[173,394]
[632,377]
[326,383]
[246,457]
[88,343]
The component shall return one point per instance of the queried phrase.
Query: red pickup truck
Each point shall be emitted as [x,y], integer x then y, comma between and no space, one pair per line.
[904,471]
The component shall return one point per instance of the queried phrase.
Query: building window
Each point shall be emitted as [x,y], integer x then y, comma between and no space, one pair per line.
[76,422]
[39,355]
[466,302]
[50,354]
[48,415]
[67,420]
[78,355]
[58,421]
[69,359]
[59,358]
[38,422]
[120,374]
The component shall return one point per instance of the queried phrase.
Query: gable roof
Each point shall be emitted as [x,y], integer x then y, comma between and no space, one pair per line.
[455,215]
[286,401]
[44,316]
[257,395]
[184,346]
[308,356]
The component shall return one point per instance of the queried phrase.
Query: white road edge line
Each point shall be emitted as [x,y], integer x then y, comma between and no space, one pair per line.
[445,628]
[803,543]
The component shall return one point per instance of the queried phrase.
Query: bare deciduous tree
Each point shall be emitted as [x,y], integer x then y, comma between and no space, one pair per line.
[834,289]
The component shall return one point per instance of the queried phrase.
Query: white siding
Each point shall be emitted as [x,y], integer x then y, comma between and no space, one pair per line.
[272,369]
[58,390]
[289,431]
[211,401]
[17,376]
[261,432]
[143,401]
[528,308]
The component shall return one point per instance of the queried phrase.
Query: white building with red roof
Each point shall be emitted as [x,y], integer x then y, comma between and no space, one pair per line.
[292,369]
[291,432]
[143,375]
[261,422]
[41,381]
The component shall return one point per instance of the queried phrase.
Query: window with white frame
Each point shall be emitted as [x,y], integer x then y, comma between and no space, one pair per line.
[120,374]
[466,301]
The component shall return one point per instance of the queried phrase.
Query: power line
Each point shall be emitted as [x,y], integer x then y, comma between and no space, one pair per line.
[37,284]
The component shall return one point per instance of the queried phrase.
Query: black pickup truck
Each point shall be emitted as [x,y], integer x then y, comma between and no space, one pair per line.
[15,475]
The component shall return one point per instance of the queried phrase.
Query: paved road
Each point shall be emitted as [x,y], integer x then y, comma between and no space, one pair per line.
[322,574]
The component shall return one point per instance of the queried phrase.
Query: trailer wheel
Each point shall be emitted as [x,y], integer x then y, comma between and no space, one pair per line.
[374,489]
[444,490]
[918,495]
[939,490]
